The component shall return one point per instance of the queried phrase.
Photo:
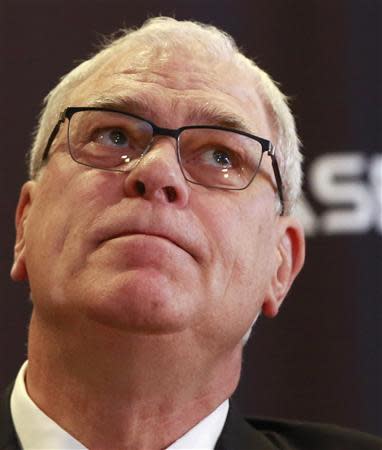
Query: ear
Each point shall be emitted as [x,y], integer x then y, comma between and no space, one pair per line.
[19,270]
[289,261]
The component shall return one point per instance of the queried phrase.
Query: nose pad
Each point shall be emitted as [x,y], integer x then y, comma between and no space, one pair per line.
[158,176]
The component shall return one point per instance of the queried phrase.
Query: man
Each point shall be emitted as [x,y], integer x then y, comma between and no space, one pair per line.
[156,226]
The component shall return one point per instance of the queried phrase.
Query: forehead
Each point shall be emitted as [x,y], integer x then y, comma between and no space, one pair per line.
[175,89]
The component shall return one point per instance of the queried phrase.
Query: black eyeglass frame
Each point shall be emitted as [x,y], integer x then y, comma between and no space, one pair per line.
[266,145]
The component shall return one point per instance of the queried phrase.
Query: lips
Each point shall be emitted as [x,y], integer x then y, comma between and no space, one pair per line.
[179,241]
[146,233]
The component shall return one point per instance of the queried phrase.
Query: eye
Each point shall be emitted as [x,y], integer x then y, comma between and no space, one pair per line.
[221,158]
[111,137]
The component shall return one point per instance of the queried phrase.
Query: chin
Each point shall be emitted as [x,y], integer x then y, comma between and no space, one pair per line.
[150,305]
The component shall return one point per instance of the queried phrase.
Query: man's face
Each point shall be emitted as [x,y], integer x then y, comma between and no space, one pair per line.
[174,258]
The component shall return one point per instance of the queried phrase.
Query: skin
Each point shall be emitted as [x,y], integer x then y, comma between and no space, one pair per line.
[138,337]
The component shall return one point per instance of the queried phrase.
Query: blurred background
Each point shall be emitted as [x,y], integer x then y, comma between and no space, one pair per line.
[321,358]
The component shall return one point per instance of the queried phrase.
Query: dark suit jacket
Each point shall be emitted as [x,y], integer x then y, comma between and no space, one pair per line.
[246,434]
[8,438]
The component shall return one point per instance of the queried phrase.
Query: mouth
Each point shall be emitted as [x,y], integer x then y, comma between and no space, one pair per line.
[141,233]
[132,233]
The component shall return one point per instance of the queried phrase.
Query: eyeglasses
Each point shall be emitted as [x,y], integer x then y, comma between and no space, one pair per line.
[211,156]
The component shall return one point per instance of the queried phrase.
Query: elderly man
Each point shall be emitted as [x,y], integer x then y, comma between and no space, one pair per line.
[155,228]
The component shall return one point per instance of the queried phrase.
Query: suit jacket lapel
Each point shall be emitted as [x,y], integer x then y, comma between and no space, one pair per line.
[238,434]
[8,438]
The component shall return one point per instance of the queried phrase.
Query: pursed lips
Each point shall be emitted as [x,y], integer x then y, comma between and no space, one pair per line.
[182,245]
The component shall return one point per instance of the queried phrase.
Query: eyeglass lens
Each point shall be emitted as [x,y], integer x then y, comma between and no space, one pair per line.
[207,156]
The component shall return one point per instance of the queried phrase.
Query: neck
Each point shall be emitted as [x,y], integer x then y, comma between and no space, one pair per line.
[118,390]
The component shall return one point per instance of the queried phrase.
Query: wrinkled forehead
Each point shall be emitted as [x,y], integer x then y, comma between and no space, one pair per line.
[190,85]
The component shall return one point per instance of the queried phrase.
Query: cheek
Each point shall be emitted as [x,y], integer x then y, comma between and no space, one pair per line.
[242,261]
[258,242]
[66,203]
[241,239]
[250,253]
[246,235]
[252,268]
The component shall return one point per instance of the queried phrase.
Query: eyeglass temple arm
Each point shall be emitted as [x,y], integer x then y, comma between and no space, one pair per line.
[276,170]
[52,136]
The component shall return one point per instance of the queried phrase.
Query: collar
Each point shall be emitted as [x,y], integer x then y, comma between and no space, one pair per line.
[36,430]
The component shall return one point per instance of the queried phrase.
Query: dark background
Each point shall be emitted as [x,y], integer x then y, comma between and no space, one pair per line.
[321,358]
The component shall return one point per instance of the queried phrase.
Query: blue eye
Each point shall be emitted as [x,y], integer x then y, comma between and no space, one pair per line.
[218,158]
[222,158]
[112,137]
[117,137]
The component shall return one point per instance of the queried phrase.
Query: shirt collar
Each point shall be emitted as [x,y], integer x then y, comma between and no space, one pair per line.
[36,430]
[204,435]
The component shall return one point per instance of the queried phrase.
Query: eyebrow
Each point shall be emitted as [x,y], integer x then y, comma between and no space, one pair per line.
[206,114]
[217,115]
[137,105]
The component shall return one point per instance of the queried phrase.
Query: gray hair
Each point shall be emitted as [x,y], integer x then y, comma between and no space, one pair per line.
[207,40]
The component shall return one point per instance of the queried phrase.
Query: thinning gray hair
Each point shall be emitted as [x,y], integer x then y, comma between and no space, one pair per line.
[205,40]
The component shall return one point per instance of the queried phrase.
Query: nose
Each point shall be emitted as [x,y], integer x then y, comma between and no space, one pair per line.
[158,177]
